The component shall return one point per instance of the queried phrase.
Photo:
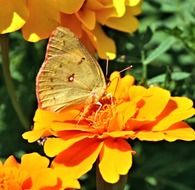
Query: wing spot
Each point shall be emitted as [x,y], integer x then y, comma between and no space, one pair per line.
[82,59]
[71,78]
[51,79]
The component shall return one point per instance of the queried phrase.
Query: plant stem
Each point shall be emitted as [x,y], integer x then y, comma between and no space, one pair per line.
[4,43]
[145,68]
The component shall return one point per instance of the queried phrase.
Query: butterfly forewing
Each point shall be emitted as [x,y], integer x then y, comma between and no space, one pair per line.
[69,74]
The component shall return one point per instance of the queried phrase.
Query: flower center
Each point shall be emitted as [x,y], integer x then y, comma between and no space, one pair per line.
[101,115]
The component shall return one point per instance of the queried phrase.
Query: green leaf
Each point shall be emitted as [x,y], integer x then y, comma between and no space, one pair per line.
[176,76]
[163,47]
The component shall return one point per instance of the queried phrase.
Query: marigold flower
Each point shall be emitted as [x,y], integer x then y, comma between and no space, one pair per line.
[32,173]
[38,19]
[130,112]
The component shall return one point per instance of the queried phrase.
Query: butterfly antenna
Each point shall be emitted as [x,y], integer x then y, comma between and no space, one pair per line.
[126,69]
[107,62]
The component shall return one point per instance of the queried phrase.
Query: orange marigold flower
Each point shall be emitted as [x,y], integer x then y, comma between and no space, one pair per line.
[38,19]
[129,112]
[32,173]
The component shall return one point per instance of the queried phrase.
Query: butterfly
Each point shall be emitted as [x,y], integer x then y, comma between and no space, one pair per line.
[69,75]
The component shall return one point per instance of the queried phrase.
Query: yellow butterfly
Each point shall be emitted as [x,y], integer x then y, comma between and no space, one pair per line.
[69,75]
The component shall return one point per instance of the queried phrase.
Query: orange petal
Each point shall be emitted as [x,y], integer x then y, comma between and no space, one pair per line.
[54,146]
[43,116]
[10,162]
[117,134]
[87,17]
[80,157]
[44,179]
[69,7]
[71,22]
[105,46]
[183,111]
[115,159]
[13,14]
[42,20]
[95,4]
[126,23]
[116,123]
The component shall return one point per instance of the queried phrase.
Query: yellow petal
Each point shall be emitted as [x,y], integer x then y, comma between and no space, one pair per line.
[43,19]
[132,3]
[34,161]
[114,80]
[105,46]
[183,111]
[69,7]
[126,23]
[180,131]
[87,17]
[119,7]
[127,109]
[13,14]
[150,136]
[115,159]
[155,101]
[68,180]
[33,135]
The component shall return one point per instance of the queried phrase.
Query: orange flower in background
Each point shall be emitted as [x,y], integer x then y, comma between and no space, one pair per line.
[32,174]
[130,112]
[37,19]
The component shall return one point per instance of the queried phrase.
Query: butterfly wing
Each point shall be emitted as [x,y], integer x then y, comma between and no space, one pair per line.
[69,74]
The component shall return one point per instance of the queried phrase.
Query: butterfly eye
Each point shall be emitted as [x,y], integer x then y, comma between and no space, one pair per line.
[71,78]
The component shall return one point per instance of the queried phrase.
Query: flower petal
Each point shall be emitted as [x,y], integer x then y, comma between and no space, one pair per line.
[87,17]
[180,131]
[71,22]
[126,23]
[42,20]
[69,7]
[105,46]
[132,3]
[183,110]
[14,14]
[121,161]
[152,106]
[11,162]
[68,180]
[119,7]
[79,158]
[54,146]
[28,162]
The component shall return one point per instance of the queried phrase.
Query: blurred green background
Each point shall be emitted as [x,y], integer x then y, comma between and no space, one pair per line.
[162,53]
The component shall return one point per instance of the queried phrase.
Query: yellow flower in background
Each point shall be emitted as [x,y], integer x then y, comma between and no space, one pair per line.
[37,19]
[33,174]
[130,112]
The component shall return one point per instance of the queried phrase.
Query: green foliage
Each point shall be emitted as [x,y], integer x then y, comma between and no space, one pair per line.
[162,53]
